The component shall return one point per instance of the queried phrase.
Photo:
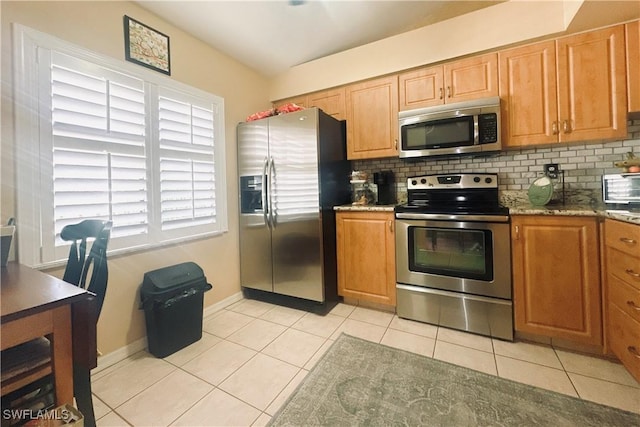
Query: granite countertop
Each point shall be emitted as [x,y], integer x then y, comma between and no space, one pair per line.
[556,209]
[365,208]
[524,208]
[598,210]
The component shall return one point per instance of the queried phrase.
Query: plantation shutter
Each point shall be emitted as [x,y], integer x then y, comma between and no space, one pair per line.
[99,159]
[187,167]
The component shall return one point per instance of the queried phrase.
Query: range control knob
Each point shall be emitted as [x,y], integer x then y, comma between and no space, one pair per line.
[414,182]
[476,179]
[423,181]
[488,180]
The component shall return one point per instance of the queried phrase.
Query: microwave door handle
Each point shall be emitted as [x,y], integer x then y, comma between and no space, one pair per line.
[476,130]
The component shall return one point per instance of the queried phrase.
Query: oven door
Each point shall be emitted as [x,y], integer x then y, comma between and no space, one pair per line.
[459,256]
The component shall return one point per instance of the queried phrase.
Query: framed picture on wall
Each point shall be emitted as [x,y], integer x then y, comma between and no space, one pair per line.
[146,46]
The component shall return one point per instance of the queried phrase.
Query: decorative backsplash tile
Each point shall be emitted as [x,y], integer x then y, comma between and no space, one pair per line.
[583,166]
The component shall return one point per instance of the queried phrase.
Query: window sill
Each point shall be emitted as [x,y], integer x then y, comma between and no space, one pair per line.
[137,249]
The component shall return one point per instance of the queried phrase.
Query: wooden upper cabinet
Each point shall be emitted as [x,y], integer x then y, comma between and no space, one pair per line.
[298,100]
[571,89]
[592,86]
[421,88]
[330,101]
[457,81]
[633,65]
[471,78]
[372,118]
[528,92]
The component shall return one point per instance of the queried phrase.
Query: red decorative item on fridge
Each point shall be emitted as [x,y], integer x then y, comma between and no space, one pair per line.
[261,115]
[289,108]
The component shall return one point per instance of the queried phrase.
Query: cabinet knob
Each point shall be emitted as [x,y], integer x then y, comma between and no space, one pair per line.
[632,273]
[633,305]
[448,91]
[554,127]
[628,240]
[566,127]
[440,93]
[391,226]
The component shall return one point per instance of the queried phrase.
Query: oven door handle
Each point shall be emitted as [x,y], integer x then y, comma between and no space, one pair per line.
[446,217]
[425,290]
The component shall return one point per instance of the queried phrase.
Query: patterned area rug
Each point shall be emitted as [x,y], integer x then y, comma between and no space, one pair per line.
[358,382]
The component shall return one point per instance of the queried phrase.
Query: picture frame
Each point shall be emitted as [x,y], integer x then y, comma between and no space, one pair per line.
[146,46]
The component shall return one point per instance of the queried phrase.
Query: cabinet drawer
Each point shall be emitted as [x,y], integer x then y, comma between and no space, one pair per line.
[624,267]
[623,236]
[624,338]
[624,296]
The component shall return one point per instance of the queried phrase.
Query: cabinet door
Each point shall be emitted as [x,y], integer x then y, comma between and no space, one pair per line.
[457,81]
[372,119]
[528,92]
[366,256]
[298,100]
[592,85]
[471,78]
[421,88]
[633,65]
[330,101]
[556,273]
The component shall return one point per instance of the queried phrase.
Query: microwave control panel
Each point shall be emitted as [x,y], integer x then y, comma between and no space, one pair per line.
[487,128]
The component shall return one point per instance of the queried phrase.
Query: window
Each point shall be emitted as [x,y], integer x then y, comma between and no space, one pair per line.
[103,139]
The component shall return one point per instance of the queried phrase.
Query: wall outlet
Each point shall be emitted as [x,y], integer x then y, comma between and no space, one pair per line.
[551,170]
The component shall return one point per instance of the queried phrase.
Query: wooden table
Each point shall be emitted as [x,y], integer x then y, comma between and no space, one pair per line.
[34,304]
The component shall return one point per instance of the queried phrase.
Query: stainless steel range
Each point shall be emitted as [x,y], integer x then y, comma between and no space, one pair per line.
[453,254]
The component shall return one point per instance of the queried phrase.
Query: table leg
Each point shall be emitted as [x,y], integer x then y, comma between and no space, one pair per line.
[62,355]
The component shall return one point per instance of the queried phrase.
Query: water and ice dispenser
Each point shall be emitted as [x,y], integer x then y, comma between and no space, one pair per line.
[251,193]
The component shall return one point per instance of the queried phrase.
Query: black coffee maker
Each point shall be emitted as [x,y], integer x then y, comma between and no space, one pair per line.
[385,180]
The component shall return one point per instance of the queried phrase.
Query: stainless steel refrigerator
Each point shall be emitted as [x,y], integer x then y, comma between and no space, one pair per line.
[293,171]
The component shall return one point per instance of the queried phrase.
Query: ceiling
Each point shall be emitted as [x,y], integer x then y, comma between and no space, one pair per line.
[272,36]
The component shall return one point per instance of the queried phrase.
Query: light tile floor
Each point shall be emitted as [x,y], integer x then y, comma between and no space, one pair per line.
[253,355]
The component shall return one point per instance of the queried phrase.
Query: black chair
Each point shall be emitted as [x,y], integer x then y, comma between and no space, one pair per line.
[81,267]
[26,368]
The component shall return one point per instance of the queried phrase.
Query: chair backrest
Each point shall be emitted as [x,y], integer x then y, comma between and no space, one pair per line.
[80,265]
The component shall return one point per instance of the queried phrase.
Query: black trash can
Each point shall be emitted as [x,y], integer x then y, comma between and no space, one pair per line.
[172,299]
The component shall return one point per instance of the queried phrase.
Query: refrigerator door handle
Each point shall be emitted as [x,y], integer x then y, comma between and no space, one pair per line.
[272,219]
[265,208]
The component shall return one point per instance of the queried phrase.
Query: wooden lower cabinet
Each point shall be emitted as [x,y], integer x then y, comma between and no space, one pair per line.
[556,277]
[622,296]
[366,256]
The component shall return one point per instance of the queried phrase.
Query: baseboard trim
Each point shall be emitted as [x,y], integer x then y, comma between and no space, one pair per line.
[122,353]
[213,308]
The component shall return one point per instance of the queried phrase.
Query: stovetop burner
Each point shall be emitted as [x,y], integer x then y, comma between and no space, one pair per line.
[453,194]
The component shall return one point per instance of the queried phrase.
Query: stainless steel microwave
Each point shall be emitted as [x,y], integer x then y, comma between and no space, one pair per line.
[449,129]
[621,189]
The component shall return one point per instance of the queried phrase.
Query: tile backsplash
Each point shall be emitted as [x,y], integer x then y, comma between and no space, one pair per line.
[583,166]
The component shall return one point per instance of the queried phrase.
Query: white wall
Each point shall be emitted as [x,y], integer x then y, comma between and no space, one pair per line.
[508,23]
[98,26]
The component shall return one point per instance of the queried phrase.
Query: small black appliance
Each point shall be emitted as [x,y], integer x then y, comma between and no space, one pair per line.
[385,180]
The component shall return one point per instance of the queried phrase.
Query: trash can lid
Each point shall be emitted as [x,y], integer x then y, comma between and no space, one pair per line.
[187,274]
